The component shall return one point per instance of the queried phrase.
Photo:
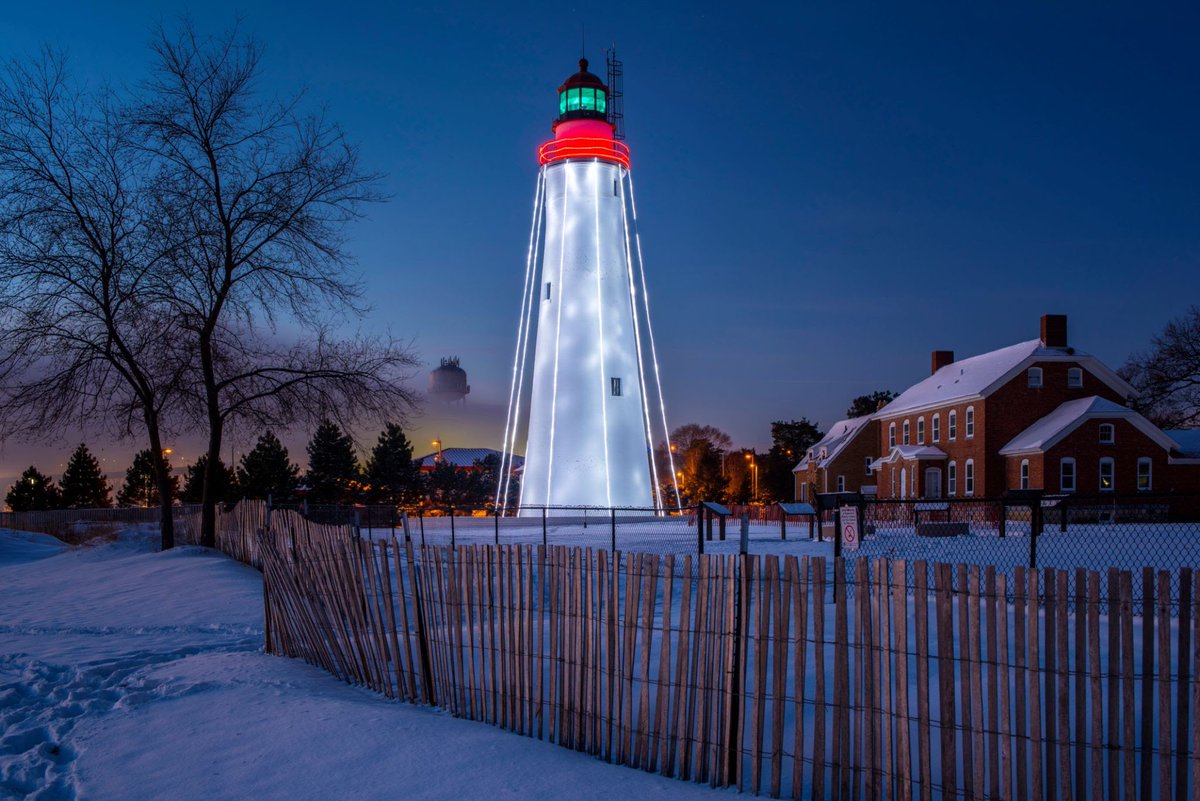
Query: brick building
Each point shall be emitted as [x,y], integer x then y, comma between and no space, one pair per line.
[841,461]
[1035,415]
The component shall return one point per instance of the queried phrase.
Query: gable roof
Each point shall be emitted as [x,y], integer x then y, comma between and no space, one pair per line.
[1051,429]
[840,434]
[979,376]
[920,453]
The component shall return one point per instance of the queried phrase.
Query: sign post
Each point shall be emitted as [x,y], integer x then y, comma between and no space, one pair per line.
[849,524]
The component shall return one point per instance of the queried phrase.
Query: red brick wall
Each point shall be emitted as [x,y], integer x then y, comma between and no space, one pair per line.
[1130,443]
[849,463]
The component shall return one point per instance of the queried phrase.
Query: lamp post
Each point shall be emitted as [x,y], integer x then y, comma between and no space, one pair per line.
[754,466]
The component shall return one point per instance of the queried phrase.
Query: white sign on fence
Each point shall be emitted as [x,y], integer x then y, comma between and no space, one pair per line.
[849,517]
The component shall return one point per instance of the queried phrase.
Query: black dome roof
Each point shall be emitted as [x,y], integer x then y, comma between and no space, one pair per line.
[582,78]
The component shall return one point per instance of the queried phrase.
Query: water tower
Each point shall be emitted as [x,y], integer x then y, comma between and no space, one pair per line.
[448,382]
[592,419]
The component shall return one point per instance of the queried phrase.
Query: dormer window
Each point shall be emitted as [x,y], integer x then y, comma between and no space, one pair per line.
[1035,378]
[1074,377]
[1108,434]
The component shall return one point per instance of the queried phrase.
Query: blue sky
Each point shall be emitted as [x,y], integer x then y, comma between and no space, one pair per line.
[826,192]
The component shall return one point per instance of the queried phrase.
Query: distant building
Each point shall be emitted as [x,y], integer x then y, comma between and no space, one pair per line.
[841,461]
[1036,415]
[463,459]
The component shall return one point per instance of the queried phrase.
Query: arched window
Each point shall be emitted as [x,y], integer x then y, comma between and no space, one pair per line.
[920,430]
[891,435]
[1066,475]
[937,428]
[969,478]
[905,432]
[952,479]
[1144,468]
[952,425]
[1106,474]
[970,423]
[1024,474]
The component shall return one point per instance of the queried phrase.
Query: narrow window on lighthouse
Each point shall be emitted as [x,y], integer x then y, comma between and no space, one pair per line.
[616,386]
[547,290]
[614,187]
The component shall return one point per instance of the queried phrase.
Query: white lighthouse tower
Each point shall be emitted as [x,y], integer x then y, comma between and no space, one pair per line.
[590,426]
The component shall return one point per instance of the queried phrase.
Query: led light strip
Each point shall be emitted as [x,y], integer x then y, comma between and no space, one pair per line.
[637,338]
[510,420]
[584,147]
[558,331]
[595,167]
[650,331]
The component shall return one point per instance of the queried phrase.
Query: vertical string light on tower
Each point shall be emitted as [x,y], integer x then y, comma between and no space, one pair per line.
[590,431]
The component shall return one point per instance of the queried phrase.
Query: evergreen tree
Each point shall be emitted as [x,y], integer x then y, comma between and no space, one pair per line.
[226,488]
[33,492]
[391,474]
[869,404]
[83,484]
[333,475]
[790,439]
[141,486]
[267,471]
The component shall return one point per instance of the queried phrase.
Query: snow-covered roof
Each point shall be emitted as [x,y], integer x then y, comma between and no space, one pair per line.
[1188,440]
[907,452]
[840,434]
[978,376]
[462,457]
[1051,429]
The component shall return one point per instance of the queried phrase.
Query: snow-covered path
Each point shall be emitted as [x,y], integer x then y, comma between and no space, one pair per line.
[126,673]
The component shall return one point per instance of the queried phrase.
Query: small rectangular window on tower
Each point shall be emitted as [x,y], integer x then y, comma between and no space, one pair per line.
[547,290]
[615,193]
[616,386]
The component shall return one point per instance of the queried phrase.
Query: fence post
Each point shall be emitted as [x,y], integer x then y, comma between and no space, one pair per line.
[585,518]
[812,526]
[708,532]
[357,524]
[1033,537]
[543,525]
[496,514]
[721,526]
[837,533]
[452,526]
[404,522]
[614,529]
[782,525]
[744,544]
[1003,519]
[421,520]
[700,529]
[1062,515]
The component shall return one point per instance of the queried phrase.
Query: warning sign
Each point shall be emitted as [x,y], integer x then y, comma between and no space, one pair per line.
[849,517]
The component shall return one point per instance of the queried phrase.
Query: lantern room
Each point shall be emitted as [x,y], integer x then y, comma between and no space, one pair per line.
[583,96]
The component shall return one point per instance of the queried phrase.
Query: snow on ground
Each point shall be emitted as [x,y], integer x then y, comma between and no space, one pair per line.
[127,673]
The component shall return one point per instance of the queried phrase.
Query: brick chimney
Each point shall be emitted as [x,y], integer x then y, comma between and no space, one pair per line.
[1054,330]
[940,358]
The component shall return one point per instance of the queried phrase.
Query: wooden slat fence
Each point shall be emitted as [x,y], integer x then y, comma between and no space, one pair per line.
[761,673]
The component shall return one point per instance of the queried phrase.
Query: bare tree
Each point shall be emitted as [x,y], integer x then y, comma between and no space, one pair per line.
[1167,375]
[81,337]
[258,196]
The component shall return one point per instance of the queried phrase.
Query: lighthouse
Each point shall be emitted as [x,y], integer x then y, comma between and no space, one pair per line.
[591,422]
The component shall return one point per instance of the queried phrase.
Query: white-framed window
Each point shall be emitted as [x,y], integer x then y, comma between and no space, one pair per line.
[1066,475]
[952,425]
[841,483]
[952,479]
[969,477]
[1145,469]
[1108,433]
[1074,377]
[867,465]
[891,435]
[1024,474]
[906,432]
[920,430]
[970,422]
[1106,474]
[1035,378]
[936,429]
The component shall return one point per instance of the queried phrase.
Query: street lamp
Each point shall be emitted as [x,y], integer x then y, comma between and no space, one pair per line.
[754,466]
